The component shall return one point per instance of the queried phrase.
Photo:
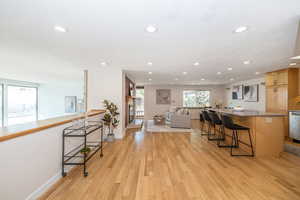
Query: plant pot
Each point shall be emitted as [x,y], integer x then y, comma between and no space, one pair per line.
[86,154]
[110,137]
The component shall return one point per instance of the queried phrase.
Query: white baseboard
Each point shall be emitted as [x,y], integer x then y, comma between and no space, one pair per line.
[43,188]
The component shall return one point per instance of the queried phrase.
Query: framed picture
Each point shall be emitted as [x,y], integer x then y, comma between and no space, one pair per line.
[70,104]
[237,92]
[251,93]
[163,96]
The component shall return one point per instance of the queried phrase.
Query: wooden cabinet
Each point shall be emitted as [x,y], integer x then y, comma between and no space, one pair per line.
[276,98]
[282,77]
[281,89]
[277,78]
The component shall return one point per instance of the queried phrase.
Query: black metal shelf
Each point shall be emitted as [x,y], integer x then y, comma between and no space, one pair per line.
[74,156]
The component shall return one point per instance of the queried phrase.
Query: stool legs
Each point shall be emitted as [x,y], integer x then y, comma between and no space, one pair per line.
[215,133]
[208,129]
[223,138]
[235,139]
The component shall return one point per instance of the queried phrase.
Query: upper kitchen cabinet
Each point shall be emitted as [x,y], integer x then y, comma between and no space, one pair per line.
[276,78]
[281,88]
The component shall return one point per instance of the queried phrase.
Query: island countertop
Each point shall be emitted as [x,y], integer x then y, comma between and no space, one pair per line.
[249,113]
[14,131]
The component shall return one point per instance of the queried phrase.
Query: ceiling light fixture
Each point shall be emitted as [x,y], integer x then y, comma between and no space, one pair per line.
[150,63]
[202,79]
[60,29]
[257,73]
[149,72]
[246,62]
[184,73]
[176,79]
[196,63]
[219,73]
[241,29]
[229,68]
[232,79]
[151,29]
[150,79]
[293,64]
[103,63]
[295,58]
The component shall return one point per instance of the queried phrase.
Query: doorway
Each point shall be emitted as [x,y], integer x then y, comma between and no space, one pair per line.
[139,110]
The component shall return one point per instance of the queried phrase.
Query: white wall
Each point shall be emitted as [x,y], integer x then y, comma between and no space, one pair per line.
[260,105]
[106,83]
[56,77]
[51,97]
[31,164]
[32,65]
[151,108]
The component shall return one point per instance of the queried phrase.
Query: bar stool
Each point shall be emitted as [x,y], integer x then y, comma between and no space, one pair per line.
[228,123]
[207,121]
[216,121]
[202,121]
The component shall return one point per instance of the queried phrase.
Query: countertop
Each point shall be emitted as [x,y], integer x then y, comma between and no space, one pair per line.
[14,131]
[181,107]
[249,113]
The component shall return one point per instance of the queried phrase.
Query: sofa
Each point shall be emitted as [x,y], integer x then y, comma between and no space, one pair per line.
[179,119]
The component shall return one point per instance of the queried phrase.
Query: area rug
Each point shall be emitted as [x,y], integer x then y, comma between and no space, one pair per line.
[151,127]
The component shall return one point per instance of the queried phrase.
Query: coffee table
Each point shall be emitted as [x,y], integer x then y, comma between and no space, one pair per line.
[159,120]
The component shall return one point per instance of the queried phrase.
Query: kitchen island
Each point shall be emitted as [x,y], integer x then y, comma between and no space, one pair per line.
[267,131]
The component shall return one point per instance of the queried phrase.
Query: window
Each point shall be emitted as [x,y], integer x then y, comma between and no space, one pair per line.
[21,104]
[195,98]
[139,110]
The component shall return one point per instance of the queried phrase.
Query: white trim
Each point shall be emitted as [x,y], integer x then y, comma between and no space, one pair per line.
[43,188]
[18,83]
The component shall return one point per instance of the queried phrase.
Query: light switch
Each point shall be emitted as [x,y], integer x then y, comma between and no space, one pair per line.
[268,120]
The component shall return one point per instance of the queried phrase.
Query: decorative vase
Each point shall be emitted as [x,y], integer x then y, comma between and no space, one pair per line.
[110,137]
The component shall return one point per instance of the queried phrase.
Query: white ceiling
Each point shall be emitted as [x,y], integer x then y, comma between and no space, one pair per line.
[188,31]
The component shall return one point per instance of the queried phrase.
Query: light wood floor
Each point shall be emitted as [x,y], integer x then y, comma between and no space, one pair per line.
[178,166]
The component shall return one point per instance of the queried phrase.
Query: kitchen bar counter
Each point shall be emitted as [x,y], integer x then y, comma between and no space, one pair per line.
[249,113]
[14,131]
[267,131]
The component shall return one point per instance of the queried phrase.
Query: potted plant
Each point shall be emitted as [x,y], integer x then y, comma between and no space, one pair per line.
[85,150]
[110,119]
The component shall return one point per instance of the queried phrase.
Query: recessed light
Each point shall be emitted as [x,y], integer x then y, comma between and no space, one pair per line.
[246,62]
[149,72]
[184,73]
[176,79]
[150,79]
[219,73]
[293,64]
[202,79]
[241,29]
[103,63]
[151,29]
[295,58]
[196,63]
[232,79]
[229,68]
[257,73]
[149,63]
[60,29]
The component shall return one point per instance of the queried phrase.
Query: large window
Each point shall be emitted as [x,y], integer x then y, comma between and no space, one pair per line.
[139,111]
[196,98]
[21,104]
